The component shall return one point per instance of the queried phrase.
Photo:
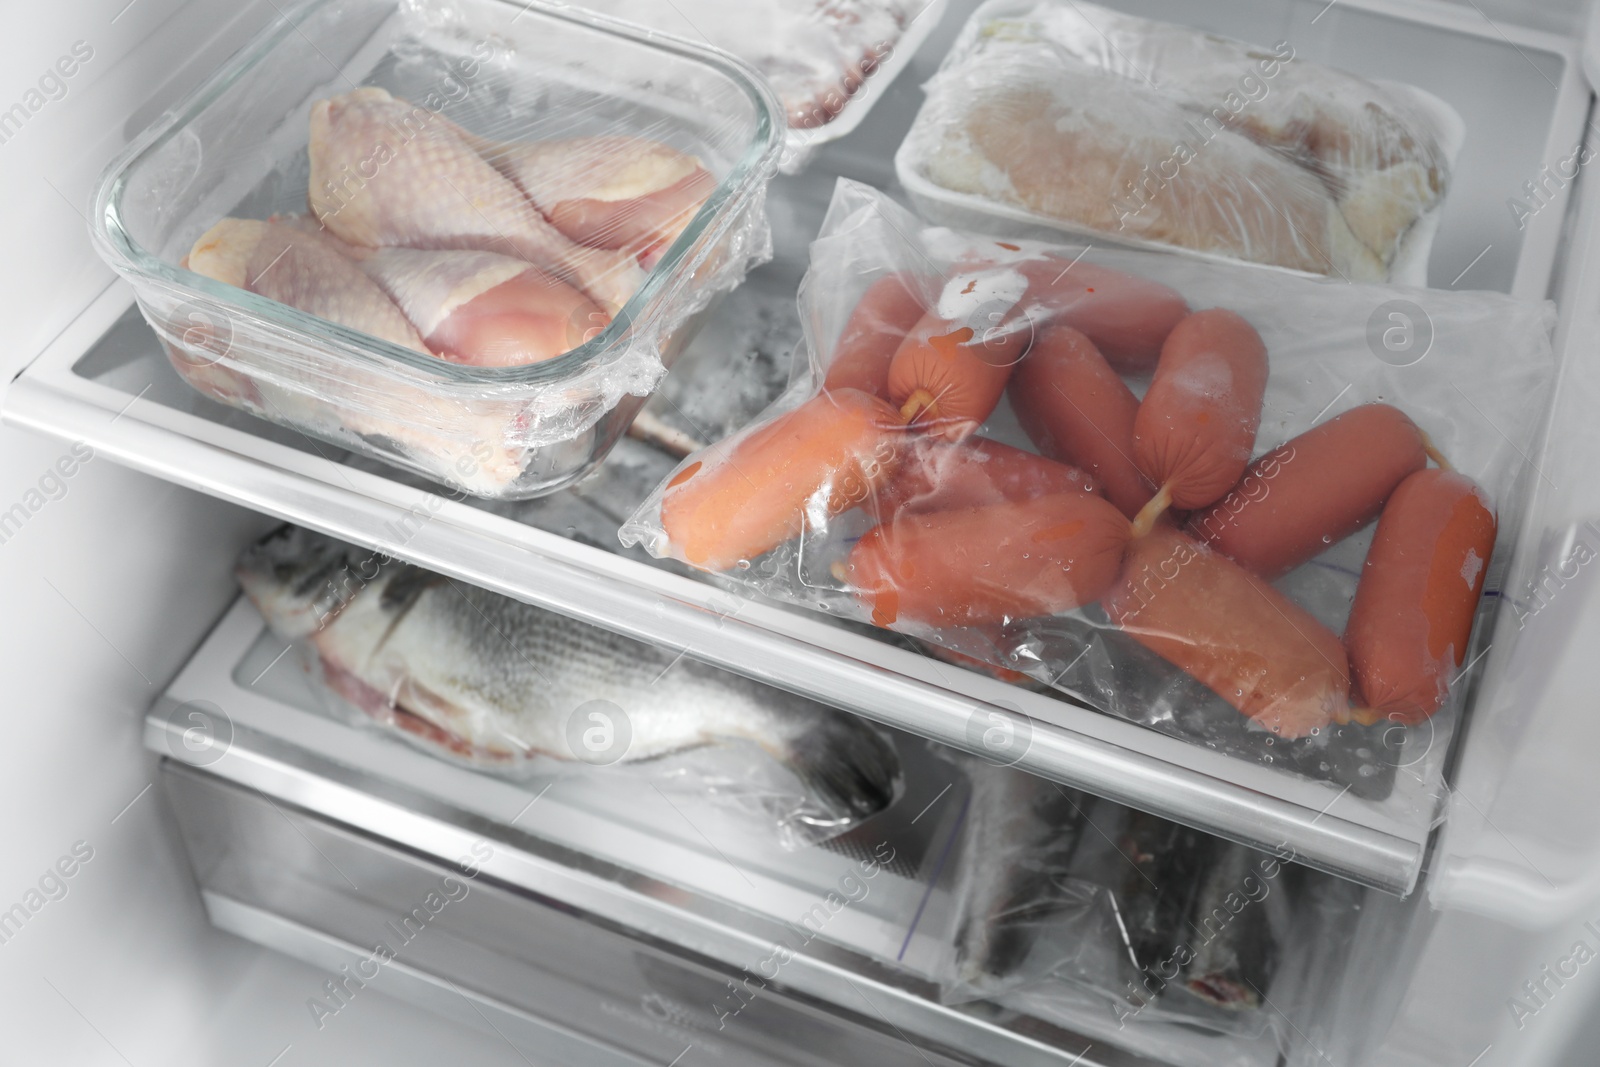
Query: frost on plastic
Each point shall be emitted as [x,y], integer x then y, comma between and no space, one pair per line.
[506,688]
[476,264]
[1120,926]
[1075,117]
[1473,371]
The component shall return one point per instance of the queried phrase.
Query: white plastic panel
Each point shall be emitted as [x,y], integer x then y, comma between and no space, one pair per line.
[1522,843]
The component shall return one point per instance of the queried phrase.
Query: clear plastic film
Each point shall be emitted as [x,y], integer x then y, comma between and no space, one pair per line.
[1013,885]
[826,59]
[1001,546]
[1076,117]
[471,252]
[506,688]
[1128,928]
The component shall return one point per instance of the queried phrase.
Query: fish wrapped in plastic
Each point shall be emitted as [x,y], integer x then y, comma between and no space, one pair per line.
[1057,893]
[503,686]
[1018,832]
[1075,116]
[1199,912]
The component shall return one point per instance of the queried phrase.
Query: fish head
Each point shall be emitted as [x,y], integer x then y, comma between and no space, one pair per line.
[300,580]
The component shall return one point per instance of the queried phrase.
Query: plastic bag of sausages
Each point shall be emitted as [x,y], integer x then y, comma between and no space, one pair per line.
[1258,511]
[1068,116]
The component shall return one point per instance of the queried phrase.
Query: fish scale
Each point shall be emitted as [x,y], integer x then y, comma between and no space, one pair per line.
[503,678]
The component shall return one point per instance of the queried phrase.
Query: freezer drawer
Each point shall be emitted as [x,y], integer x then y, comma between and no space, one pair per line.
[576,905]
[105,381]
[549,978]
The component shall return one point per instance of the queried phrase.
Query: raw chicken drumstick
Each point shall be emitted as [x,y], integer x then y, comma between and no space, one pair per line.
[484,309]
[385,173]
[606,192]
[302,269]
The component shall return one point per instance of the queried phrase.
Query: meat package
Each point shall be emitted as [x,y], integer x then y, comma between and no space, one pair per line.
[471,249]
[1251,509]
[1060,115]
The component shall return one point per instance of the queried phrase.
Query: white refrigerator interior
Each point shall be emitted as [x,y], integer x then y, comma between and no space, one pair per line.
[123,514]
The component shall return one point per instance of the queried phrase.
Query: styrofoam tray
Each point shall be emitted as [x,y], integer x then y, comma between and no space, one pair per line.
[1433,48]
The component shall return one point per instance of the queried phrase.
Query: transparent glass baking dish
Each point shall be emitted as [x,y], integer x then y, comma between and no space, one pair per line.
[525,71]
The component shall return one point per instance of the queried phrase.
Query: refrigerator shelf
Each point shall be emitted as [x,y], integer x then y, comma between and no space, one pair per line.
[105,381]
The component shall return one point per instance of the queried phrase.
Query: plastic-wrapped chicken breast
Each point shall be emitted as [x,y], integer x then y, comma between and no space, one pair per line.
[1154,133]
[1053,142]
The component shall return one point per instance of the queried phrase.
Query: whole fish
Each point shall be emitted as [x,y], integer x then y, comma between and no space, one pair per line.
[498,681]
[1235,950]
[1019,833]
[1198,910]
[1165,862]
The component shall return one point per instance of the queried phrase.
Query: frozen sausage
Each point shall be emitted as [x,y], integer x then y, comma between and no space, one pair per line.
[1418,593]
[1127,317]
[1076,409]
[956,361]
[1197,423]
[937,475]
[832,452]
[947,377]
[1309,492]
[989,564]
[1249,643]
[871,336]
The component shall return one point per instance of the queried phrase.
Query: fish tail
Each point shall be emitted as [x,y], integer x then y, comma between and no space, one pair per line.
[848,762]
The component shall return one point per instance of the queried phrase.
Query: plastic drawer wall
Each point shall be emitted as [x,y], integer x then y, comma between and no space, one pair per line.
[567,986]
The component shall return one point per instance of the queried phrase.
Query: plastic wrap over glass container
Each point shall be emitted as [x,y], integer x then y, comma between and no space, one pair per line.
[507,688]
[1069,116]
[1039,459]
[465,238]
[825,58]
